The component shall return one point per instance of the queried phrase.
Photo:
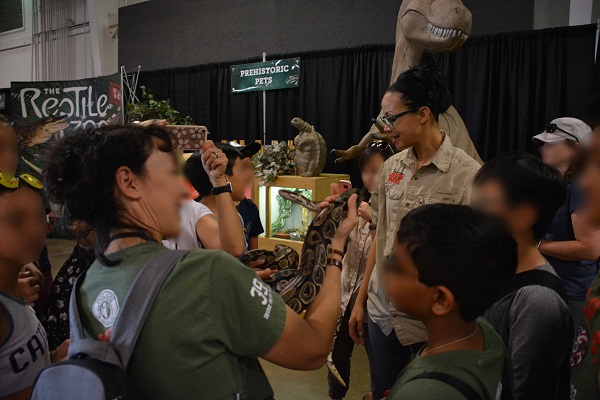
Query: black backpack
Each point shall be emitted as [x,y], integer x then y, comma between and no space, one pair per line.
[97,370]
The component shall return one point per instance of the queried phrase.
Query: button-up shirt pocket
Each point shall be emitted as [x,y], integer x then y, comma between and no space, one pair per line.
[394,191]
[443,195]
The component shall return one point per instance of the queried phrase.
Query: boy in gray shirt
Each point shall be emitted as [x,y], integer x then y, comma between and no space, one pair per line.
[532,317]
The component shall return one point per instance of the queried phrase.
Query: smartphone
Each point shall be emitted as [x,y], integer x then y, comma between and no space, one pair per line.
[187,137]
[344,186]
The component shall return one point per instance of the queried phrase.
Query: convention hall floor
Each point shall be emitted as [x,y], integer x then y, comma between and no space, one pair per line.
[288,385]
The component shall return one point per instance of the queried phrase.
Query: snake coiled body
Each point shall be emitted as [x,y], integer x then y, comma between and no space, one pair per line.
[299,286]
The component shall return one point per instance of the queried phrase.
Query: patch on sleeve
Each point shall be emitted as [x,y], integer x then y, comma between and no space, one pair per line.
[581,345]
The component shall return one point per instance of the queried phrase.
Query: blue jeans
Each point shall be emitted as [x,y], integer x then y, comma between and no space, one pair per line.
[387,358]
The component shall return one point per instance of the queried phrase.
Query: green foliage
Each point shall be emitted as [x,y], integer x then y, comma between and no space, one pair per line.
[276,159]
[150,108]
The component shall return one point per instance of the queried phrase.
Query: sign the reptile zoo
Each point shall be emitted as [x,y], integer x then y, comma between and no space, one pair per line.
[269,75]
[43,110]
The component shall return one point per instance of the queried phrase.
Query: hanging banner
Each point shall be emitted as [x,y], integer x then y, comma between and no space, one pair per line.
[269,75]
[42,111]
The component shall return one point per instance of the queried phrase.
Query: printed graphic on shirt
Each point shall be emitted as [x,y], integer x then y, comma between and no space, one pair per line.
[581,344]
[29,352]
[260,290]
[106,308]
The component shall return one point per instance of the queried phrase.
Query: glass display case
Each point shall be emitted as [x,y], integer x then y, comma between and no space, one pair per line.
[286,222]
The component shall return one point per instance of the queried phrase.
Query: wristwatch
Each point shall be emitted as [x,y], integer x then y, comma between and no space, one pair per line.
[222,189]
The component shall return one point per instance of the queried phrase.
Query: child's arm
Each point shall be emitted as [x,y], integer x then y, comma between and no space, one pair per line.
[31,281]
[226,234]
[253,243]
[61,353]
[355,324]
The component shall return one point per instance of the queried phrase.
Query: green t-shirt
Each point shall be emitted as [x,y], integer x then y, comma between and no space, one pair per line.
[585,371]
[209,308]
[481,370]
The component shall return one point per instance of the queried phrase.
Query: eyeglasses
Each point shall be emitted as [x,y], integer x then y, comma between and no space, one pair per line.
[551,128]
[389,121]
[382,145]
[15,182]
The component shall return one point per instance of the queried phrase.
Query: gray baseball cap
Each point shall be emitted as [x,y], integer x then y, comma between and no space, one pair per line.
[566,128]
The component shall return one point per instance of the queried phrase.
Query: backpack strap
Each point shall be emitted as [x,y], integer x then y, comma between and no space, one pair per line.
[135,309]
[537,277]
[467,391]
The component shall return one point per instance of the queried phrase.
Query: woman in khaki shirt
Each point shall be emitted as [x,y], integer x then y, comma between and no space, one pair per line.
[428,170]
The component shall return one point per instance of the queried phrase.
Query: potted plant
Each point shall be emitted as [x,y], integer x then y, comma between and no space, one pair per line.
[150,108]
[276,159]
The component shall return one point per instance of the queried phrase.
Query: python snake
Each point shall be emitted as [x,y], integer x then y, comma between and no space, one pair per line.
[299,285]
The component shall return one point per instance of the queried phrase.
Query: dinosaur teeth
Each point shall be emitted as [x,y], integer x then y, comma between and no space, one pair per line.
[446,32]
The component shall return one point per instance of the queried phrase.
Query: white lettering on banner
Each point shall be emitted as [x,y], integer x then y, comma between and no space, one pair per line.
[36,94]
[83,105]
[266,70]
[263,81]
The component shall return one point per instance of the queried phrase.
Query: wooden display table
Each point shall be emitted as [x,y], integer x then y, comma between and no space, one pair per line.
[266,199]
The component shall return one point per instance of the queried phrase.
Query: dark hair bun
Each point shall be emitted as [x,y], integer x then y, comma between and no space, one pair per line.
[423,86]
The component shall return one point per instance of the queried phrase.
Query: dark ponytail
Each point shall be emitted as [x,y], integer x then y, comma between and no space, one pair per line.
[80,174]
[423,86]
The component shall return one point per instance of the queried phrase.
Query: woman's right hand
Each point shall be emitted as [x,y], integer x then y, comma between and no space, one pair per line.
[355,323]
[214,162]
[349,223]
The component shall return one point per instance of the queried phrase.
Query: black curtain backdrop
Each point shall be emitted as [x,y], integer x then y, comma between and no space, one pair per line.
[505,86]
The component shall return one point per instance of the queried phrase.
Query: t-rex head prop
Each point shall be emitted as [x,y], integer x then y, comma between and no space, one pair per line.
[434,25]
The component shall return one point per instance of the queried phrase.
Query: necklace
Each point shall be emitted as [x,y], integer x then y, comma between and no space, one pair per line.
[451,343]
